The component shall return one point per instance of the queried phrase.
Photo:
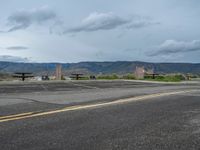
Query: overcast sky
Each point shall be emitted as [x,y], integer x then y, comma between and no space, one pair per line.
[100,30]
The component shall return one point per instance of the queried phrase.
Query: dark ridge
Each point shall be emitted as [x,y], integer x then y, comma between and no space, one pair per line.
[119,67]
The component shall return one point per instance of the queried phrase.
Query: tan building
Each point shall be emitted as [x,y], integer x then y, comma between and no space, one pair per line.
[139,73]
[58,71]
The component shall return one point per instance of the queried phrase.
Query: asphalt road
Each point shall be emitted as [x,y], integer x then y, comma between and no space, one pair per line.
[27,87]
[166,121]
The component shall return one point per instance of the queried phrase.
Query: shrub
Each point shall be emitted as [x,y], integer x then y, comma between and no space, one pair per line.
[108,77]
[174,78]
[167,78]
[129,77]
[84,78]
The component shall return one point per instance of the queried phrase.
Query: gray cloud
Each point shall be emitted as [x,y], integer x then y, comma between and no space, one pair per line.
[17,48]
[107,21]
[24,19]
[172,46]
[140,22]
[10,58]
[99,21]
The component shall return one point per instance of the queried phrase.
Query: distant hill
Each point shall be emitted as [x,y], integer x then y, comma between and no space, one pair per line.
[119,67]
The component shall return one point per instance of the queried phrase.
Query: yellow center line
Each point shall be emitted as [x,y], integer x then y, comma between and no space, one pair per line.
[80,107]
[16,115]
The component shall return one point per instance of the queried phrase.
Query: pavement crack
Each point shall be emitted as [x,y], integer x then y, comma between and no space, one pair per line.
[31,100]
[85,86]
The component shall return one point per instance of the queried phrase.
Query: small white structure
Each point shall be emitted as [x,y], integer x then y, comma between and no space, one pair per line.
[37,78]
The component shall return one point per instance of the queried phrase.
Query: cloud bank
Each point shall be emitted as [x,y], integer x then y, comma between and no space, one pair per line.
[24,19]
[95,21]
[107,21]
[173,46]
[10,58]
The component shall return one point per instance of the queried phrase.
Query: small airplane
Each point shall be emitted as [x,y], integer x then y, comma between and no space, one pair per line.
[76,76]
[153,75]
[23,75]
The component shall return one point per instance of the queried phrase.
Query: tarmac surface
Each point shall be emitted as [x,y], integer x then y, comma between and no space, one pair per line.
[102,115]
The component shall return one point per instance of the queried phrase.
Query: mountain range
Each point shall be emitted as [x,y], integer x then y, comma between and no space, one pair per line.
[118,67]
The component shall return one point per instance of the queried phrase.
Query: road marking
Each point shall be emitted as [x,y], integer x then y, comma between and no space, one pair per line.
[80,107]
[44,87]
[16,115]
